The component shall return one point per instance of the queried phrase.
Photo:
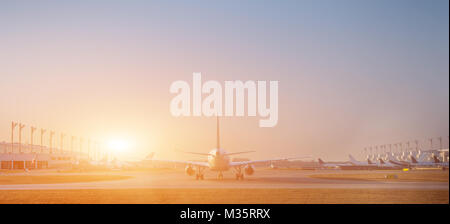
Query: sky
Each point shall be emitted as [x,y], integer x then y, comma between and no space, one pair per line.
[352,73]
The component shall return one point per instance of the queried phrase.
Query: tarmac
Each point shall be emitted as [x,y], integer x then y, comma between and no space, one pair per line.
[263,178]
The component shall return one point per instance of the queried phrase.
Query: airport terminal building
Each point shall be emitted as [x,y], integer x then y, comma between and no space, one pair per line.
[35,157]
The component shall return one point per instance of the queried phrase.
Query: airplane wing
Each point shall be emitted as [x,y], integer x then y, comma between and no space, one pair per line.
[235,153]
[232,164]
[193,163]
[196,153]
[207,154]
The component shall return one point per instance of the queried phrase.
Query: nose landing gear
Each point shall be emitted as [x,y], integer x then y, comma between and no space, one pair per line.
[220,176]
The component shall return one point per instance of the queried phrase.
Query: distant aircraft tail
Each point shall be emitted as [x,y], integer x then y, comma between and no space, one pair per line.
[381,161]
[413,159]
[436,160]
[393,160]
[321,162]
[150,156]
[369,162]
[352,159]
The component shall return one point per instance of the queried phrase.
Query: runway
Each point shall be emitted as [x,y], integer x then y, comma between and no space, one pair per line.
[262,179]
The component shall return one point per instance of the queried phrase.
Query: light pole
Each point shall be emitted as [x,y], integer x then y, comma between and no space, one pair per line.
[62,143]
[440,142]
[417,145]
[431,143]
[42,139]
[31,137]
[21,126]
[72,139]
[97,151]
[81,146]
[89,149]
[51,141]
[100,152]
[13,125]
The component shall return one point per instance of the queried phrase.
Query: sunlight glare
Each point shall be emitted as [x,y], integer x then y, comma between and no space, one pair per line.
[118,145]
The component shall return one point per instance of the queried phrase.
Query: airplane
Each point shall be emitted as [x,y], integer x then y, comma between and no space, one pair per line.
[439,163]
[396,162]
[435,163]
[150,156]
[359,163]
[331,165]
[388,164]
[353,164]
[219,160]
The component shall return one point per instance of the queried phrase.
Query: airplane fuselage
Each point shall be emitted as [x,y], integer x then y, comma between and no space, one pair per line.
[218,160]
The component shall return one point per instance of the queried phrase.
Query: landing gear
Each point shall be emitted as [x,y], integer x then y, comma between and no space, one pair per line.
[220,176]
[239,174]
[199,174]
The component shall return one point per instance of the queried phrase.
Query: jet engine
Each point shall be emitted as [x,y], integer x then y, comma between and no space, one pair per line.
[249,170]
[189,170]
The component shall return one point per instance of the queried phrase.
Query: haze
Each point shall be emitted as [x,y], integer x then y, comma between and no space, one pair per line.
[349,77]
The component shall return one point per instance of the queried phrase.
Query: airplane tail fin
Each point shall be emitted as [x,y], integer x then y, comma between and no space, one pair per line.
[413,159]
[436,160]
[321,162]
[369,162]
[381,161]
[352,159]
[150,156]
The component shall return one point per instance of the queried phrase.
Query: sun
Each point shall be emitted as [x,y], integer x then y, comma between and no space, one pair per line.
[118,145]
